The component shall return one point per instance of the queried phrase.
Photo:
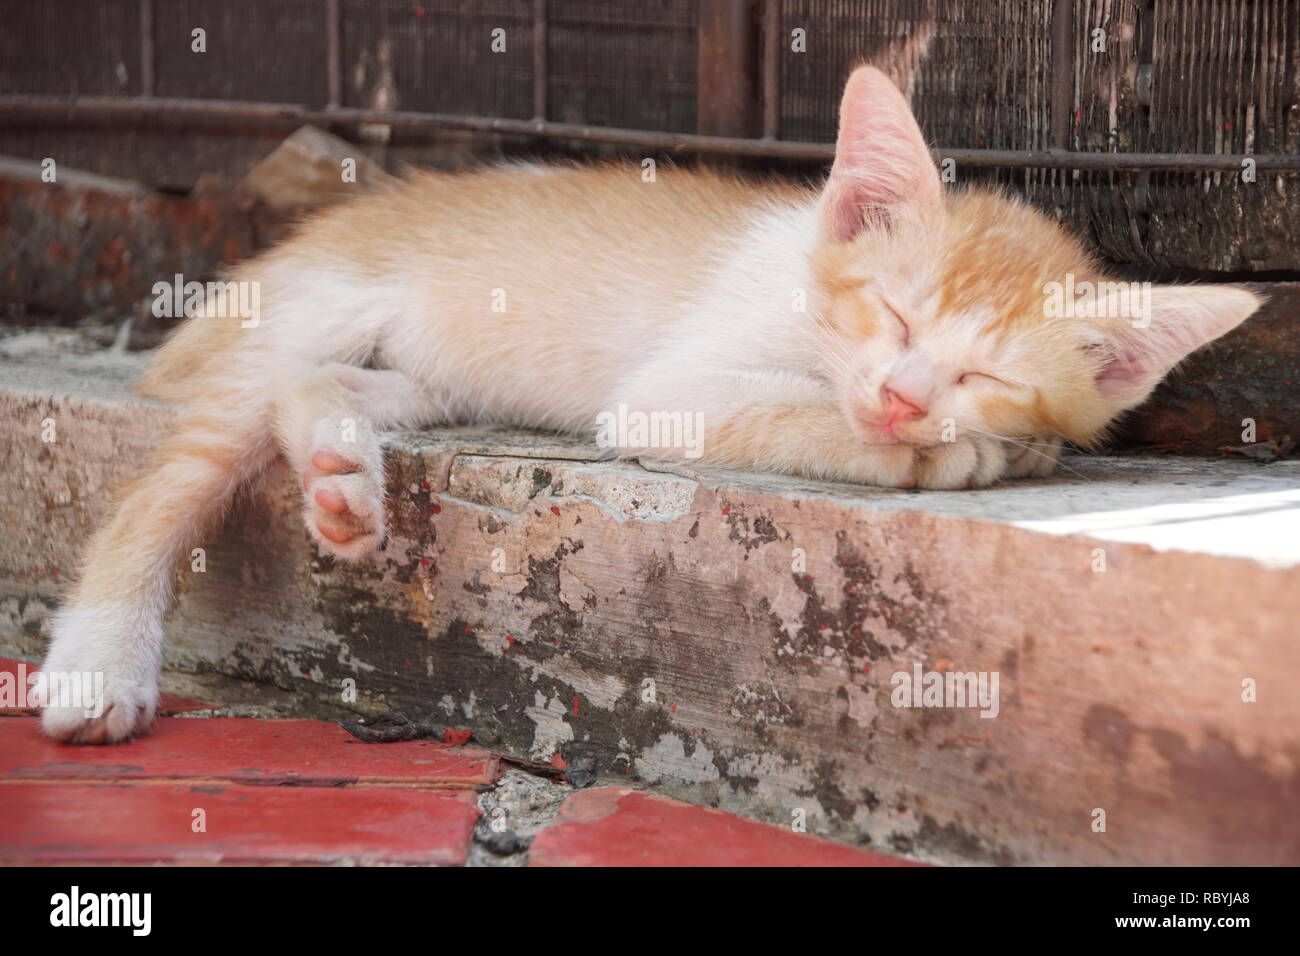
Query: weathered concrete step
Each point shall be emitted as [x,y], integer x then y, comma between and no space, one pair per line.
[733,639]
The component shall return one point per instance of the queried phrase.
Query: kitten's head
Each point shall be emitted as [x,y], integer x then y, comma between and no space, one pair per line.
[972,311]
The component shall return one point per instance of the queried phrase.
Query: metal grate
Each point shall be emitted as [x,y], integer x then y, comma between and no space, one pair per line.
[1143,143]
[283,38]
[622,64]
[44,49]
[986,76]
[437,57]
[980,73]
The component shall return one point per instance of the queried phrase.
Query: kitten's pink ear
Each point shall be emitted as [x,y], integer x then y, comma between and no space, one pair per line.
[881,160]
[1169,323]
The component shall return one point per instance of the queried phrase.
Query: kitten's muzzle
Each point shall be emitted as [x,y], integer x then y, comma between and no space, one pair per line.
[899,407]
[888,424]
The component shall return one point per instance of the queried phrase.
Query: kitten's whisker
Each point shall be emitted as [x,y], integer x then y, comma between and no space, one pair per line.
[835,351]
[1031,450]
[1018,441]
[1021,441]
[833,338]
[826,349]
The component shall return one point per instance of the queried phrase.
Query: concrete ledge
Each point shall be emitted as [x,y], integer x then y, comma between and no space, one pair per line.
[730,638]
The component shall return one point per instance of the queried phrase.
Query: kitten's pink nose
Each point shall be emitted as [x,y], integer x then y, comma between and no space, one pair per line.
[899,408]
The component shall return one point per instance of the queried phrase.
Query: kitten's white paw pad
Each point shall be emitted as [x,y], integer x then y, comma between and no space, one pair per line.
[344,498]
[125,709]
[347,512]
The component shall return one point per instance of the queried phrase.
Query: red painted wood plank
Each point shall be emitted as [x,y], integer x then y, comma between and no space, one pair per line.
[610,826]
[15,674]
[64,823]
[244,751]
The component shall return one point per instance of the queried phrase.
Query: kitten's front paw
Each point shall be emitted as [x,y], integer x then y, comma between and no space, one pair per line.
[1035,456]
[100,680]
[126,708]
[971,462]
[895,467]
[343,491]
[884,466]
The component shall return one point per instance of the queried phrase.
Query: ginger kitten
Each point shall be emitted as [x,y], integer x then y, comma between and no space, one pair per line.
[876,332]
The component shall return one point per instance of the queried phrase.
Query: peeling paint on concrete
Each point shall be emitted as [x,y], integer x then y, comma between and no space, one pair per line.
[552,729]
[672,758]
[601,690]
[511,484]
[861,704]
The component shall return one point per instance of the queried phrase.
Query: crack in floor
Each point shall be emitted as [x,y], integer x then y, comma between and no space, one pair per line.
[518,807]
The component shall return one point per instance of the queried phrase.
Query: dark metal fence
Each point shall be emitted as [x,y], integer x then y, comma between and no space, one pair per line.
[1174,96]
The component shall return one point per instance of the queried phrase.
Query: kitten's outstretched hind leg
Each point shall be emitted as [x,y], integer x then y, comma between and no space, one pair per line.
[106,641]
[108,636]
[327,425]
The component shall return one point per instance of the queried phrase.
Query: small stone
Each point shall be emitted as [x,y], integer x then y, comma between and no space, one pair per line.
[503,843]
[307,170]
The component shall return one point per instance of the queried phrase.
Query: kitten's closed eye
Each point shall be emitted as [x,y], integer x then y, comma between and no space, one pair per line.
[966,378]
[898,317]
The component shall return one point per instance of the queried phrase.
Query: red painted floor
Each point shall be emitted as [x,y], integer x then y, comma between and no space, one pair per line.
[611,826]
[239,750]
[273,792]
[234,791]
[215,823]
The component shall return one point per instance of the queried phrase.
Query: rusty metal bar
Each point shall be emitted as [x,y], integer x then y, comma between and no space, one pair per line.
[727,43]
[334,51]
[146,48]
[1062,72]
[771,68]
[56,107]
[541,69]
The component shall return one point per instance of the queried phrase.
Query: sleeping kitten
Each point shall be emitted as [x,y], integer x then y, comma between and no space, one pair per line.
[877,332]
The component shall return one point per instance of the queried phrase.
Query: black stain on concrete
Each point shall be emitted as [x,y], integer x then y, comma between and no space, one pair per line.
[752,533]
[541,481]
